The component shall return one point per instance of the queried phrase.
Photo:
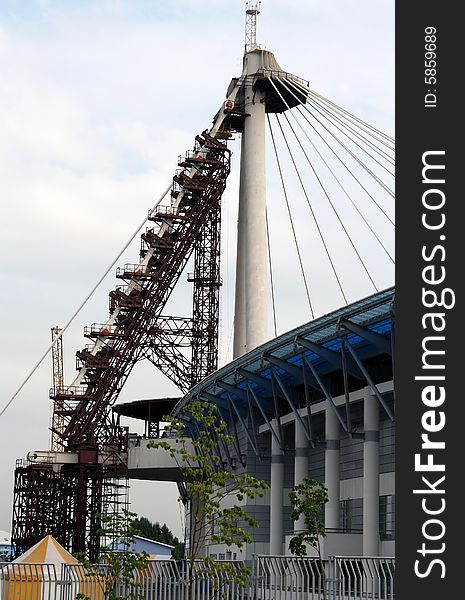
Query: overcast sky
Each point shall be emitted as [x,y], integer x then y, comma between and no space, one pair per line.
[97,100]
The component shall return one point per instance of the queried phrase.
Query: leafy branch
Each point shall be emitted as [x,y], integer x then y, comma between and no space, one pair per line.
[208,485]
[308,499]
[120,568]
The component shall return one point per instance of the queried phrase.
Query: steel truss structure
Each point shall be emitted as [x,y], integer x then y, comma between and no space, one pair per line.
[69,497]
[57,378]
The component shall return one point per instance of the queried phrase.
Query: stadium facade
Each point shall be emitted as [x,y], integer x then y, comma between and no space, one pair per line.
[315,402]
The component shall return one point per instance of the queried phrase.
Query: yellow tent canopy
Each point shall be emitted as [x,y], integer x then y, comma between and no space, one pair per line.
[47,551]
[36,574]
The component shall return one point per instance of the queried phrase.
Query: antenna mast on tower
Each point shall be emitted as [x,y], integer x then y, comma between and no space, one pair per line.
[252,9]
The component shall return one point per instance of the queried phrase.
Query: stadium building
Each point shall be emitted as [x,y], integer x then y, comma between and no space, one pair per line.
[315,402]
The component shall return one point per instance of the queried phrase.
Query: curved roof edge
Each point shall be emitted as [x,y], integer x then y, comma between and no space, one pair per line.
[373,313]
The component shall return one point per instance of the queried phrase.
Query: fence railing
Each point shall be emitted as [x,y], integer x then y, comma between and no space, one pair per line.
[161,580]
[29,581]
[339,578]
[272,578]
[357,577]
[287,578]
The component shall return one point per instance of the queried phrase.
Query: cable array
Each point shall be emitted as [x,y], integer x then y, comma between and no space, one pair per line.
[344,167]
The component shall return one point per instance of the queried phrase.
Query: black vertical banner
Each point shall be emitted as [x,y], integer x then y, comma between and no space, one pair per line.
[430,268]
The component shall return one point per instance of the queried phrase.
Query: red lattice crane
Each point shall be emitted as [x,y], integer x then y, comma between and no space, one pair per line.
[67,492]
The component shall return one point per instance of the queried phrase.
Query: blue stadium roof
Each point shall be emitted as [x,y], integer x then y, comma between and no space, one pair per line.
[366,326]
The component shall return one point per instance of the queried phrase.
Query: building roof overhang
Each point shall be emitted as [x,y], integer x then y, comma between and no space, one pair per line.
[314,347]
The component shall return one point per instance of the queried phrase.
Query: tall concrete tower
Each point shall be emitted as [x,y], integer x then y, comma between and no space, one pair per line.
[256,97]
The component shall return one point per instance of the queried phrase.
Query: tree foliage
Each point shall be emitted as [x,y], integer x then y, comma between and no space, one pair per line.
[308,499]
[117,568]
[217,496]
[159,533]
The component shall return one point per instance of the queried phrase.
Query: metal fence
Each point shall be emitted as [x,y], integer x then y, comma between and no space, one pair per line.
[355,577]
[287,578]
[161,580]
[272,578]
[339,578]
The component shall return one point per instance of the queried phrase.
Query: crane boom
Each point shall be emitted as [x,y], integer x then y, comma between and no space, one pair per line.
[58,422]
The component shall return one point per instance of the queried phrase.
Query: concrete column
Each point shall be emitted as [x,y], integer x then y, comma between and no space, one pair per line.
[332,468]
[300,464]
[239,345]
[254,198]
[251,309]
[371,474]
[276,497]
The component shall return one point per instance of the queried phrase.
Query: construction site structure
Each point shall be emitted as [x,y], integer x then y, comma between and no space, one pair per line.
[66,491]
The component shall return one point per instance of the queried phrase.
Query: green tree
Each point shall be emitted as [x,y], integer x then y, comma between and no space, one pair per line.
[121,567]
[308,499]
[153,531]
[147,529]
[208,485]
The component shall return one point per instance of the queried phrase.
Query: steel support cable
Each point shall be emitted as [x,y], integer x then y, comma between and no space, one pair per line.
[341,143]
[227,229]
[314,218]
[362,262]
[348,115]
[338,158]
[362,137]
[273,304]
[230,339]
[345,192]
[373,199]
[83,303]
[389,148]
[380,153]
[343,189]
[380,137]
[335,177]
[338,113]
[349,151]
[290,218]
